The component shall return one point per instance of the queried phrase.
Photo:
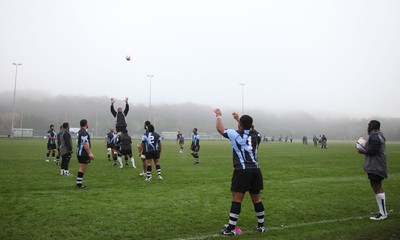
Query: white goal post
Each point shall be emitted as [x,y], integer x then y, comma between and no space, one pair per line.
[169,135]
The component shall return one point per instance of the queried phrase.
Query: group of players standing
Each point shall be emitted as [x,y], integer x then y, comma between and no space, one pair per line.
[65,149]
[119,144]
[247,176]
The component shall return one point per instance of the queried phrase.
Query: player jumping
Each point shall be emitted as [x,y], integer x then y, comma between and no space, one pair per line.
[119,115]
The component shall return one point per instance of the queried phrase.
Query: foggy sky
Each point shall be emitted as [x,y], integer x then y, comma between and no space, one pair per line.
[328,57]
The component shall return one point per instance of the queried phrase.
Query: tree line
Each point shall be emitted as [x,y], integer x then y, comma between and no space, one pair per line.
[40,110]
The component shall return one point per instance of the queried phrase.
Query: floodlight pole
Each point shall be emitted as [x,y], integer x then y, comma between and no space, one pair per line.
[22,112]
[15,90]
[242,84]
[150,77]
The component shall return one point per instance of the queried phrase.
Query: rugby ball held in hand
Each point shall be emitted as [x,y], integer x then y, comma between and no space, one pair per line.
[361,143]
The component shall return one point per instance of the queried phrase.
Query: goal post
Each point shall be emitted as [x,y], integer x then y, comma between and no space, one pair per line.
[169,135]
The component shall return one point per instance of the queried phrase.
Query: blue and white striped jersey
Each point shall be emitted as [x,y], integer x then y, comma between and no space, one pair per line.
[244,145]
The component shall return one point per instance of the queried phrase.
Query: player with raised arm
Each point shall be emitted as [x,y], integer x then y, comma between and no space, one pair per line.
[247,175]
[120,115]
[195,146]
[151,144]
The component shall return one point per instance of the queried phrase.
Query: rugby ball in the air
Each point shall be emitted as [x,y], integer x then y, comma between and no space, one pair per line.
[128,57]
[360,144]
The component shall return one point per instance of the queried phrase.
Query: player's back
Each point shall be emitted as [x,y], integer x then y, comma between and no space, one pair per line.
[125,141]
[151,141]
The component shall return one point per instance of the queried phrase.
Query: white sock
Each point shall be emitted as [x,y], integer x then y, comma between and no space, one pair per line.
[133,162]
[120,162]
[381,200]
[62,171]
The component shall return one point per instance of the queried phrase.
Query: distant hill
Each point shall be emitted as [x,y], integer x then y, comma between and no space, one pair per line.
[39,110]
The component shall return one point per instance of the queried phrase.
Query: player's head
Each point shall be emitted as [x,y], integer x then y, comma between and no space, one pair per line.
[51,126]
[150,128]
[84,123]
[147,123]
[65,125]
[112,130]
[61,127]
[194,130]
[119,110]
[246,122]
[374,125]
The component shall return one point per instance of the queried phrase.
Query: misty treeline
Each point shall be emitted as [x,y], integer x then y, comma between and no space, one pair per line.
[39,110]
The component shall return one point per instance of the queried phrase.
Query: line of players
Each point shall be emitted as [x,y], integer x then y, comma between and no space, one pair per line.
[119,144]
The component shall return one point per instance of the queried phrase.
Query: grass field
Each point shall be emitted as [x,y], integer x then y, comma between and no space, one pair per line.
[309,193]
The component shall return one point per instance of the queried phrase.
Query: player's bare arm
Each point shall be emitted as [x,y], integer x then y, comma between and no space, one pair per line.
[87,148]
[219,125]
[236,116]
[140,149]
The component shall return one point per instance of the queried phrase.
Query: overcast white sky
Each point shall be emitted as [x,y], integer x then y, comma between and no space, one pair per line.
[338,56]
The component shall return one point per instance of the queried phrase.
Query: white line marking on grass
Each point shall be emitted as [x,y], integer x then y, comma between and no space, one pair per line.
[282,227]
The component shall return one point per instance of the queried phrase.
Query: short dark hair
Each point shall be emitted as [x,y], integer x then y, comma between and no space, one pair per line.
[374,125]
[246,122]
[83,122]
[65,125]
[150,128]
[51,125]
[146,124]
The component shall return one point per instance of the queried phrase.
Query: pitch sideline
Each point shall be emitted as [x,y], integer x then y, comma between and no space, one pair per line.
[283,227]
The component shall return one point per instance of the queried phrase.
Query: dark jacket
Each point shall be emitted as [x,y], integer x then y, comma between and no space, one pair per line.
[120,121]
[375,155]
[66,142]
[124,142]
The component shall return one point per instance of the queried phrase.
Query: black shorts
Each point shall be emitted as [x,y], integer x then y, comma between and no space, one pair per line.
[152,155]
[120,128]
[112,146]
[194,147]
[83,159]
[375,178]
[51,146]
[247,180]
[124,152]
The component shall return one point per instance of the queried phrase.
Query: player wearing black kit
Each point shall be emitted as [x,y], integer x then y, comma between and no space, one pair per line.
[51,143]
[195,146]
[142,151]
[111,151]
[151,144]
[180,139]
[84,153]
[119,115]
[123,142]
[247,175]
